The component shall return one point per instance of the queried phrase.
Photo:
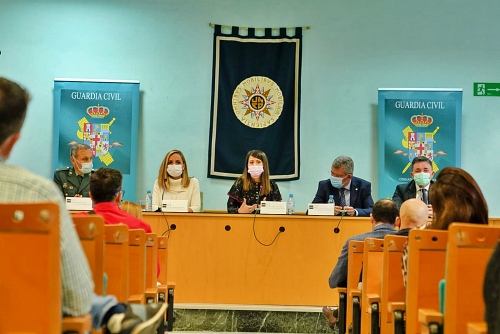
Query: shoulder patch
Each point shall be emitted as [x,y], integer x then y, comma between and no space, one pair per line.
[62,168]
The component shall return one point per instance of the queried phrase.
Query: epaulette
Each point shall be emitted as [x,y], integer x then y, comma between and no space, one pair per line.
[63,168]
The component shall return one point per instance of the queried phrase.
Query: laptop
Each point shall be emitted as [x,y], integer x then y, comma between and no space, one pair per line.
[174,205]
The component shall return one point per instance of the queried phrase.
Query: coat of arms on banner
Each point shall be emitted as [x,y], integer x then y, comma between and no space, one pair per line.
[97,135]
[419,143]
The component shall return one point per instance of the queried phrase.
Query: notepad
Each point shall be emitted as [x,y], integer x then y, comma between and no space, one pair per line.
[174,205]
[79,203]
[272,208]
[321,209]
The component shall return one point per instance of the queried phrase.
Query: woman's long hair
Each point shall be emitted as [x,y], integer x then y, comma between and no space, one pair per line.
[457,198]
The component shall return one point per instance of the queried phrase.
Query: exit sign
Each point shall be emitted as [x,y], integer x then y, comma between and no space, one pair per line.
[486,89]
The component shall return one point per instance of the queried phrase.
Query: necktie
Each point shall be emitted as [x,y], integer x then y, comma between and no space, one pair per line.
[424,196]
[342,197]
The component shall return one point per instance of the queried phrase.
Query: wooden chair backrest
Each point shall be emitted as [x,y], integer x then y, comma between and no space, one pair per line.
[162,257]
[116,261]
[30,259]
[469,249]
[90,230]
[426,263]
[137,265]
[392,288]
[354,265]
[372,276]
[151,260]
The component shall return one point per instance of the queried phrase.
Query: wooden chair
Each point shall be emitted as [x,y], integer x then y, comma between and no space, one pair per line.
[469,249]
[137,266]
[30,258]
[392,288]
[477,328]
[166,288]
[116,261]
[426,263]
[90,230]
[354,265]
[371,285]
[151,268]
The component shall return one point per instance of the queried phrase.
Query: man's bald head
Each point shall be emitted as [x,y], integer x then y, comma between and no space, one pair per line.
[413,213]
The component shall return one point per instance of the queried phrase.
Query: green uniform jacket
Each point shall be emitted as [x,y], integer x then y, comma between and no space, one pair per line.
[69,183]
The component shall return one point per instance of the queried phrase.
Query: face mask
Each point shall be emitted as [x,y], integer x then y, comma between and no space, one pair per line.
[255,171]
[422,179]
[86,167]
[174,170]
[336,181]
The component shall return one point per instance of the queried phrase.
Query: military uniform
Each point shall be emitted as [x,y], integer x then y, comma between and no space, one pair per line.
[72,184]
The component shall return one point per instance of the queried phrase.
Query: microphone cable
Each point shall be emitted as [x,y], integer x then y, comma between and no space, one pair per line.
[281,230]
[336,230]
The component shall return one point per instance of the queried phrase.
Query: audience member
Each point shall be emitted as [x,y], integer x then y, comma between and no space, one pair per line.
[174,183]
[19,185]
[74,181]
[253,186]
[456,198]
[491,292]
[412,214]
[383,218]
[132,208]
[350,193]
[422,174]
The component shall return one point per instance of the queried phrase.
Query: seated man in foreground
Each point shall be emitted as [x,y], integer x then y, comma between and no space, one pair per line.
[384,216]
[20,185]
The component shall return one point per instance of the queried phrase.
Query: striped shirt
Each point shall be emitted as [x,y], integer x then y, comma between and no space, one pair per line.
[20,185]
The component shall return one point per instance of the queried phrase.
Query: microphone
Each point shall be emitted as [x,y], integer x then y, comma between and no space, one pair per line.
[337,229]
[170,228]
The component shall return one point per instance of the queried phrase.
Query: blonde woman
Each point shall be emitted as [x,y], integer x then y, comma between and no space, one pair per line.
[132,208]
[174,183]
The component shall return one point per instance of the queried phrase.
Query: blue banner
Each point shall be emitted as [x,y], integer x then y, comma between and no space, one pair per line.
[415,122]
[103,115]
[255,101]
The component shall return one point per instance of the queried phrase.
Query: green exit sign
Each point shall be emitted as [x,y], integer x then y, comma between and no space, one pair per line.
[486,89]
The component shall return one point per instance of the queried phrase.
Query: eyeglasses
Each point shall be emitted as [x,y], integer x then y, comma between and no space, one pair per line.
[123,193]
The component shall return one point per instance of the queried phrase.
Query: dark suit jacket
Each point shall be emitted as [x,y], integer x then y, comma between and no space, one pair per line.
[406,191]
[360,195]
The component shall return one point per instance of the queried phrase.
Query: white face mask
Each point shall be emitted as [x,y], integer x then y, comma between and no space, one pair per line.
[86,167]
[255,171]
[174,170]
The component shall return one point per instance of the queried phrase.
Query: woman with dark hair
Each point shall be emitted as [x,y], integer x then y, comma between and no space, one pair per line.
[253,186]
[174,183]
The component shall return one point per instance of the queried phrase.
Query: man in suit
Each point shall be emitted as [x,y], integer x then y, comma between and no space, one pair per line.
[384,217]
[74,181]
[352,195]
[422,174]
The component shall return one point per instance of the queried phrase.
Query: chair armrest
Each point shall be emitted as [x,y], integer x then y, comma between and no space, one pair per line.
[355,293]
[396,306]
[151,295]
[342,290]
[80,325]
[372,298]
[427,316]
[137,299]
[477,328]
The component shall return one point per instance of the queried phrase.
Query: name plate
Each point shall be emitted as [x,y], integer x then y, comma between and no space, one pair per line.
[79,203]
[272,208]
[174,205]
[319,209]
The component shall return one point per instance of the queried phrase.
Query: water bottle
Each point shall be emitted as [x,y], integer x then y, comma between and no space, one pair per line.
[149,201]
[290,207]
[330,200]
